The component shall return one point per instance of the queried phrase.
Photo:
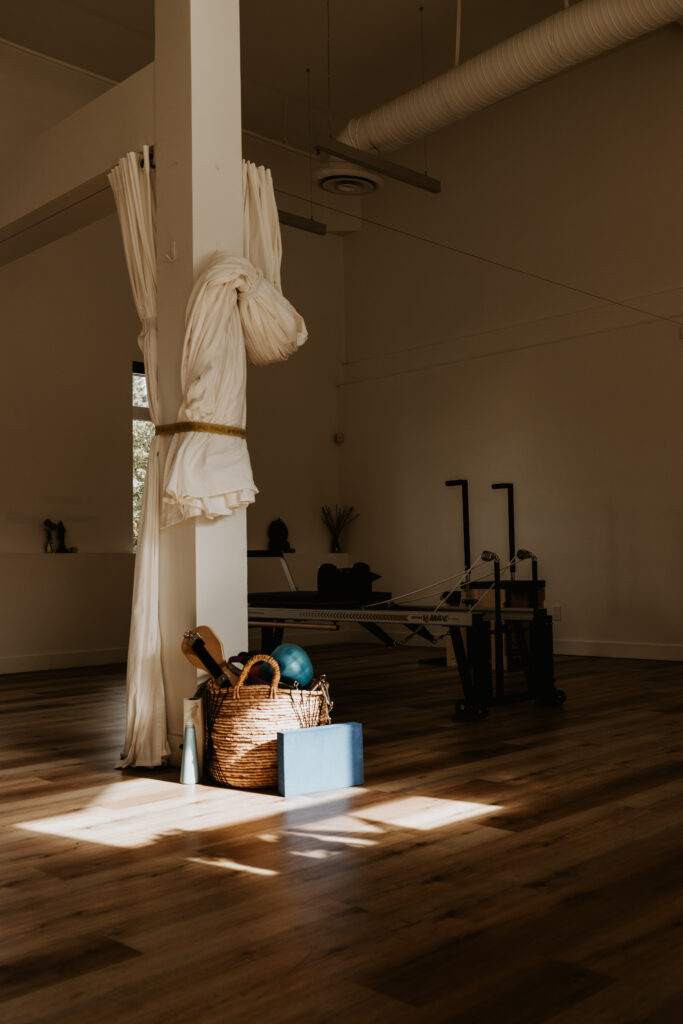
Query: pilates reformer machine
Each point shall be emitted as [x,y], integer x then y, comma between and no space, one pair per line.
[491,624]
[470,631]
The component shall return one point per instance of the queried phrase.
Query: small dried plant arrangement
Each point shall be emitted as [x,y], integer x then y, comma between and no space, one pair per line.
[336,520]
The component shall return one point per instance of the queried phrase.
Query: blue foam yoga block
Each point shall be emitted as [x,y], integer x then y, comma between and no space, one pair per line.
[325,757]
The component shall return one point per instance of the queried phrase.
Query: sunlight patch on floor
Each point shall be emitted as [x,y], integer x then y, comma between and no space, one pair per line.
[423,812]
[320,854]
[231,865]
[345,825]
[146,811]
[329,837]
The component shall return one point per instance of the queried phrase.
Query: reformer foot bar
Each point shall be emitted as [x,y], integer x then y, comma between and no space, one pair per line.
[470,631]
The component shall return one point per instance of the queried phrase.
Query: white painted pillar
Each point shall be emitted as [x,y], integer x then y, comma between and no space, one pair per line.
[198,155]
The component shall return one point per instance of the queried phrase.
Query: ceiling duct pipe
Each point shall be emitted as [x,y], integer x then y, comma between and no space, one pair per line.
[571,36]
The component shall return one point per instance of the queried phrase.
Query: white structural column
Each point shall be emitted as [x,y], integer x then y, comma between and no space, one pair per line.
[198,154]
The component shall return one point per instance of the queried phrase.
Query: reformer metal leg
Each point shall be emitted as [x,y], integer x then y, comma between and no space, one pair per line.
[466,708]
[498,637]
[541,660]
[271,637]
[474,666]
[379,633]
[480,659]
[519,632]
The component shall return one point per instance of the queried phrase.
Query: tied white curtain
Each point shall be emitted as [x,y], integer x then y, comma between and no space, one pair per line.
[146,741]
[261,226]
[236,311]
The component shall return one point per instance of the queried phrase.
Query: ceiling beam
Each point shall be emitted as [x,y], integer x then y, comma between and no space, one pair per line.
[64,160]
[70,212]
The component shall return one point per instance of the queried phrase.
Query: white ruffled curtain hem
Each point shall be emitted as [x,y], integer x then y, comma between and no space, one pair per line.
[187,507]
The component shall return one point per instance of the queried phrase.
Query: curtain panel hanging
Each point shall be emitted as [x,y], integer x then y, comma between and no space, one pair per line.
[146,742]
[236,313]
[260,224]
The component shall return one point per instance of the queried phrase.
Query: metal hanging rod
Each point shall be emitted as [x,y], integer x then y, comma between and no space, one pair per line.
[291,220]
[378,164]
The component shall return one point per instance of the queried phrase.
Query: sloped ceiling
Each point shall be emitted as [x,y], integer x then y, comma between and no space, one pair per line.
[113,38]
[375,49]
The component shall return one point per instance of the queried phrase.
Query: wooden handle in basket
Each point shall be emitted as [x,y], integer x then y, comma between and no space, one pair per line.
[208,654]
[245,672]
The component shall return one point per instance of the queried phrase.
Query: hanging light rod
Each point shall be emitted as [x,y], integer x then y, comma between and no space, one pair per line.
[378,164]
[316,227]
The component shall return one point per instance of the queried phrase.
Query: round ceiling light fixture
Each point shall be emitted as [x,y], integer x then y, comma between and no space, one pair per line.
[344,179]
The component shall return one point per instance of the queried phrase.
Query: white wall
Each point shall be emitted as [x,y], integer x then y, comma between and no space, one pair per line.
[69,331]
[292,406]
[292,418]
[64,610]
[37,92]
[70,320]
[456,366]
[71,328]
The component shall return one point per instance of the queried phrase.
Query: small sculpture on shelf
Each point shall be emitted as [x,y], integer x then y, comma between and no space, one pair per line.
[336,522]
[278,538]
[61,539]
[49,545]
[59,547]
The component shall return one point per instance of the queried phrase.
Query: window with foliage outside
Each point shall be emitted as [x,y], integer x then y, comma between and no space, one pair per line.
[143,432]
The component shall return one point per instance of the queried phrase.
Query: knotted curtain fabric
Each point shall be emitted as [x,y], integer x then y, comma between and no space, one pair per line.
[236,313]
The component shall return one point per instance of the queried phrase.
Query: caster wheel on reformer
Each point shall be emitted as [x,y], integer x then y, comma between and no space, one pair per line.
[552,700]
[469,713]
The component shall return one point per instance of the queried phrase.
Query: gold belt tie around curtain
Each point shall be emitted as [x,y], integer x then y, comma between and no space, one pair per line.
[190,426]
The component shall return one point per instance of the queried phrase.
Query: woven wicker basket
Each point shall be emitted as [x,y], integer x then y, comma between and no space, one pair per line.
[242,724]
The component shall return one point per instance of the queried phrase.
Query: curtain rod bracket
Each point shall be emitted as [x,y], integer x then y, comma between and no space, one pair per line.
[152,165]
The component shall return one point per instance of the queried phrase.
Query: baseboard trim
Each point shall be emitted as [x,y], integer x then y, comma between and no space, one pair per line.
[620,649]
[61,659]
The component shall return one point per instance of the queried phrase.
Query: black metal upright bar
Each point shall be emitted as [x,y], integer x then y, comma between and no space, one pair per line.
[498,635]
[475,702]
[465,518]
[479,649]
[534,580]
[511,520]
[542,661]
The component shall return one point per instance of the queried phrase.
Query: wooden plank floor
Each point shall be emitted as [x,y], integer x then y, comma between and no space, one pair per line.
[525,868]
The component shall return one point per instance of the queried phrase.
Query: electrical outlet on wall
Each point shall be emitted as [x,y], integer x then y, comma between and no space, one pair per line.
[556,612]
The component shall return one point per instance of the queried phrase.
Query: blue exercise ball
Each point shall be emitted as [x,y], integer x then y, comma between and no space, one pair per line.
[295,665]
